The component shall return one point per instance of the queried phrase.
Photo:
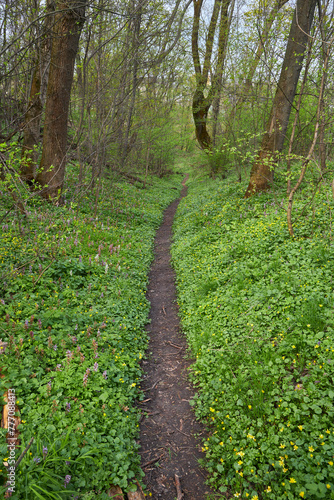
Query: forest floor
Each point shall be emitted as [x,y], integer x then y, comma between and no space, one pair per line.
[169,445]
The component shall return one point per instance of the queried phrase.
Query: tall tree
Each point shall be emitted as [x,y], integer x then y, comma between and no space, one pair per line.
[262,173]
[69,21]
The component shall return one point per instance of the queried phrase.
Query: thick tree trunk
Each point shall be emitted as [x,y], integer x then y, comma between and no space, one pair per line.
[69,22]
[201,107]
[262,172]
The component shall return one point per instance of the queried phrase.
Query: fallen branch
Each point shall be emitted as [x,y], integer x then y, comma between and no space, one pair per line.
[180,495]
[174,345]
[153,460]
[178,430]
[45,269]
[17,463]
[156,383]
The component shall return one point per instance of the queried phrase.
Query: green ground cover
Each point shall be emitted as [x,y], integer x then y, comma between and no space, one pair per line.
[73,311]
[257,309]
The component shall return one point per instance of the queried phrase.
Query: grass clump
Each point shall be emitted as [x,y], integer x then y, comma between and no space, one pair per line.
[257,308]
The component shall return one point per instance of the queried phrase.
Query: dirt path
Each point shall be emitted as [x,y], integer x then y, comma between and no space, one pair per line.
[168,425]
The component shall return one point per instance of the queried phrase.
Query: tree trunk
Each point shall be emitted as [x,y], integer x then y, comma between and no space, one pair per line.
[322,125]
[225,22]
[134,27]
[201,107]
[32,129]
[201,103]
[33,116]
[262,173]
[69,22]
[246,87]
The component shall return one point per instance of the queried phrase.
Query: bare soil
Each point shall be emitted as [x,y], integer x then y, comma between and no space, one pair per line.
[168,425]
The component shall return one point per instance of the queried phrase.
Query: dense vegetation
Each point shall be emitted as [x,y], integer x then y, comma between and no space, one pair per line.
[97,100]
[73,310]
[257,310]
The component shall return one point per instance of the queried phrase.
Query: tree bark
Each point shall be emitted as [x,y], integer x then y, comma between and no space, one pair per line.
[262,173]
[69,22]
[201,107]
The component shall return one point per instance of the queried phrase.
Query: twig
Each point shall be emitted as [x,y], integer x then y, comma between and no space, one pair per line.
[178,430]
[157,382]
[153,460]
[17,463]
[180,495]
[176,346]
[39,277]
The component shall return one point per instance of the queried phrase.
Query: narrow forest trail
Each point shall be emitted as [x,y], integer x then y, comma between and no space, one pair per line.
[168,425]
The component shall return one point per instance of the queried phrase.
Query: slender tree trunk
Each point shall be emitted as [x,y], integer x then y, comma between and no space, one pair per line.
[32,129]
[69,22]
[225,22]
[201,104]
[262,173]
[315,136]
[322,125]
[33,116]
[245,90]
[322,143]
[135,27]
[295,121]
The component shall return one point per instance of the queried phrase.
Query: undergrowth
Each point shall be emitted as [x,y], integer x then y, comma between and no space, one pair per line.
[72,312]
[257,309]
